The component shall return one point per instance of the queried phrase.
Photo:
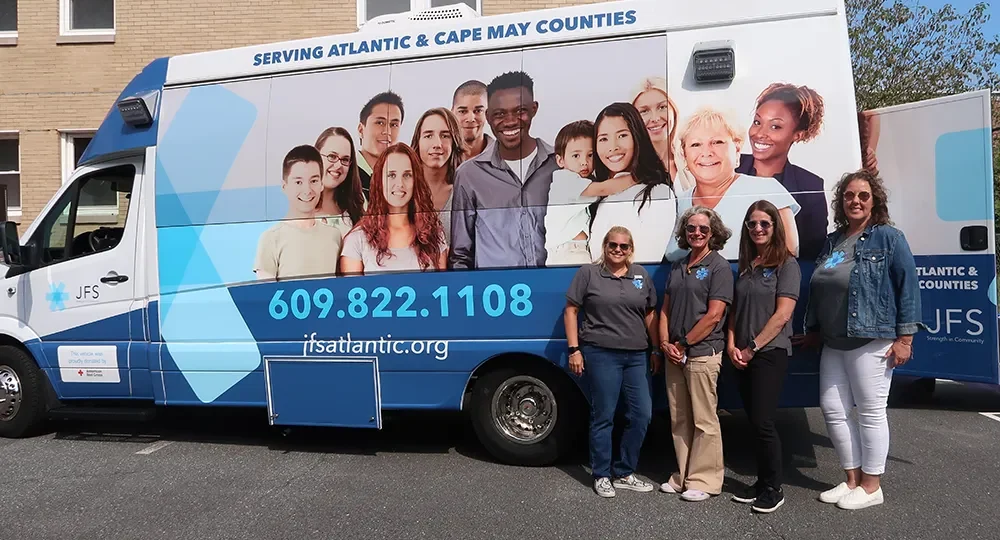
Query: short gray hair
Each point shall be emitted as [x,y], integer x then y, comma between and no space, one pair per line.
[720,233]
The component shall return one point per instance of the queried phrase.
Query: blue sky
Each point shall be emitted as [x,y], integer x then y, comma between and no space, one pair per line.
[992,27]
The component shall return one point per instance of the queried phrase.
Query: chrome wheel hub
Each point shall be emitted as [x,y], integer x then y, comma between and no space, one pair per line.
[524,409]
[10,393]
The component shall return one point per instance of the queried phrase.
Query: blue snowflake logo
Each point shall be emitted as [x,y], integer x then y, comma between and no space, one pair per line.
[836,258]
[57,296]
[637,282]
[701,274]
[768,272]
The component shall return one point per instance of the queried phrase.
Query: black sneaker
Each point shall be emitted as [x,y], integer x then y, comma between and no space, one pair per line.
[748,495]
[768,500]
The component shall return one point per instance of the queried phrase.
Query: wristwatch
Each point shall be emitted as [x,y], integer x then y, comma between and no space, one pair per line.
[753,345]
[684,342]
[572,350]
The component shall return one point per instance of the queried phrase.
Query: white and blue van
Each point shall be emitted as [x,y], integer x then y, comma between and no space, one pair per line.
[220,282]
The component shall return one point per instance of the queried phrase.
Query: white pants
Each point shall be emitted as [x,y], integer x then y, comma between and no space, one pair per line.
[858,378]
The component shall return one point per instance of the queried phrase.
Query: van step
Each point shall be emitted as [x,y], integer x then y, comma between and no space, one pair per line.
[84,412]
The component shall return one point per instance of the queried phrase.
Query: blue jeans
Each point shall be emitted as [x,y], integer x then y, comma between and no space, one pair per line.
[612,371]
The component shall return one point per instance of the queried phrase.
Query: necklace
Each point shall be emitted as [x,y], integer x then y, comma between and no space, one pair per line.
[694,263]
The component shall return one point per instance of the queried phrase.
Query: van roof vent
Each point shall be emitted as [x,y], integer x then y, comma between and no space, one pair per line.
[442,13]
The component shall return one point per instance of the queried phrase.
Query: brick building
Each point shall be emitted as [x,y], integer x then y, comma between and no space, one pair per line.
[64,62]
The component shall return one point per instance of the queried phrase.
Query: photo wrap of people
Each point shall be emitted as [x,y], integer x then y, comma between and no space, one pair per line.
[523,160]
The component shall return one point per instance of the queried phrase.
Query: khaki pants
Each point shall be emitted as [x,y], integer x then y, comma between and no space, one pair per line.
[694,423]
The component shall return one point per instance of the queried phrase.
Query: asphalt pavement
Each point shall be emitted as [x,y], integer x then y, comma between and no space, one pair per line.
[209,473]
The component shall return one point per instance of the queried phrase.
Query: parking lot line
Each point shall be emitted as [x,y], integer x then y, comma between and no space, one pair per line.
[154,447]
[991,415]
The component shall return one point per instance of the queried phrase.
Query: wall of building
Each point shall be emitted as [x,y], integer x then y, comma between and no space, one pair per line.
[49,87]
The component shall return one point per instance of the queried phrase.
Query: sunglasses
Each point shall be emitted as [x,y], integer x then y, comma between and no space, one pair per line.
[863,196]
[615,245]
[764,224]
[704,229]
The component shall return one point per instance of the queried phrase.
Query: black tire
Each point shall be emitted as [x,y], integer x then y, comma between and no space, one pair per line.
[560,437]
[30,413]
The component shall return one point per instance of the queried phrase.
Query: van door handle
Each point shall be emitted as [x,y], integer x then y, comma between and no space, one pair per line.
[114,279]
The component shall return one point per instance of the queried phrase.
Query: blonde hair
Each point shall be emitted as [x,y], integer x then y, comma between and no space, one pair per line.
[707,116]
[659,84]
[617,229]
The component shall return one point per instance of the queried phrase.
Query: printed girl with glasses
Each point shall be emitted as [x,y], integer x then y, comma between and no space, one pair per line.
[342,202]
[759,340]
[699,290]
[618,303]
[864,307]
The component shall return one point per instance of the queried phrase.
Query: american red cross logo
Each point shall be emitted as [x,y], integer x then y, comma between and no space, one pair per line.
[80,373]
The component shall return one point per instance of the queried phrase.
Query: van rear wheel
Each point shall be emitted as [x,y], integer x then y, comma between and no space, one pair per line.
[22,399]
[525,416]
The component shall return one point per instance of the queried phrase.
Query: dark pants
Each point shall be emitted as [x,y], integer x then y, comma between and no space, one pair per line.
[611,372]
[760,387]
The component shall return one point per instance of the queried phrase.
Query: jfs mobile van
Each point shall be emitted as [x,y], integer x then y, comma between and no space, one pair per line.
[255,258]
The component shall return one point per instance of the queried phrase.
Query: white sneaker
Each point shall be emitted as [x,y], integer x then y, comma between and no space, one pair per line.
[667,487]
[633,483]
[604,488]
[858,498]
[694,495]
[831,496]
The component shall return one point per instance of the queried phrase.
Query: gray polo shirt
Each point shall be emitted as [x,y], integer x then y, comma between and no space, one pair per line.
[831,282]
[498,220]
[614,308]
[756,299]
[689,292]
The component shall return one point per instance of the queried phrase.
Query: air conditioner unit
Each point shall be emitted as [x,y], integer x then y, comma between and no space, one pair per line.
[442,13]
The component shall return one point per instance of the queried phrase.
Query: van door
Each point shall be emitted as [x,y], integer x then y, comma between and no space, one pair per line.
[936,160]
[78,300]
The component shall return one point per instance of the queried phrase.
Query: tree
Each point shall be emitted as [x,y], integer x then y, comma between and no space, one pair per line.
[904,52]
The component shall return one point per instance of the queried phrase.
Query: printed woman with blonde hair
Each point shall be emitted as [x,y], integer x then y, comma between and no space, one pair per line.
[437,141]
[401,230]
[710,146]
[786,114]
[659,113]
[618,302]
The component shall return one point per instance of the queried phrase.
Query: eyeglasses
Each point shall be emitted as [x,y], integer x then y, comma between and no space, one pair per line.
[764,224]
[863,196]
[615,245]
[704,229]
[331,158]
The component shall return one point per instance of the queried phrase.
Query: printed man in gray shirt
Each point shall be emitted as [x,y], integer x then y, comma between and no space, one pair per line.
[498,206]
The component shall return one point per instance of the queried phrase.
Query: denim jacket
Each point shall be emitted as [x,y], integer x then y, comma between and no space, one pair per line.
[884,300]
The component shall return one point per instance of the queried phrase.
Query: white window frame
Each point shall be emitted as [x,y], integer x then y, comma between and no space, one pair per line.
[14,212]
[9,37]
[97,35]
[415,5]
[102,213]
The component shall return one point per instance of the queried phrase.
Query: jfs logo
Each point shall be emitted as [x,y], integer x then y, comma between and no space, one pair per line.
[88,292]
[956,320]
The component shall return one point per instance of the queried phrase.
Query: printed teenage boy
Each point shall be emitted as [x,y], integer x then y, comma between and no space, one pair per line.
[299,246]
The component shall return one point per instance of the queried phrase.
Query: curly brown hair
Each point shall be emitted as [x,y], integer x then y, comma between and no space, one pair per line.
[720,233]
[804,103]
[880,199]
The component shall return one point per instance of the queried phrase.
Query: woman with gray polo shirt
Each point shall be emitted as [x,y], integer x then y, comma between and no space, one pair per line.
[759,340]
[699,290]
[618,302]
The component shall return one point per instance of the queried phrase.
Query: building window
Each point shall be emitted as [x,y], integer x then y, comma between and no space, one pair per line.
[86,20]
[369,9]
[8,22]
[97,202]
[10,172]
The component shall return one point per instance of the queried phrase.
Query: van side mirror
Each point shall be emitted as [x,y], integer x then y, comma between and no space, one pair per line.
[10,244]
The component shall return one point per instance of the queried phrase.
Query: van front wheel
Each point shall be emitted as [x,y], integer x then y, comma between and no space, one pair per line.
[524,417]
[22,400]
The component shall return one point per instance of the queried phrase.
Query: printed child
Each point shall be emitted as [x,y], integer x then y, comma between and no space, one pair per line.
[299,246]
[567,217]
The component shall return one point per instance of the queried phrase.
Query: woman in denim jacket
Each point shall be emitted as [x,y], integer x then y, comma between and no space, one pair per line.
[864,307]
